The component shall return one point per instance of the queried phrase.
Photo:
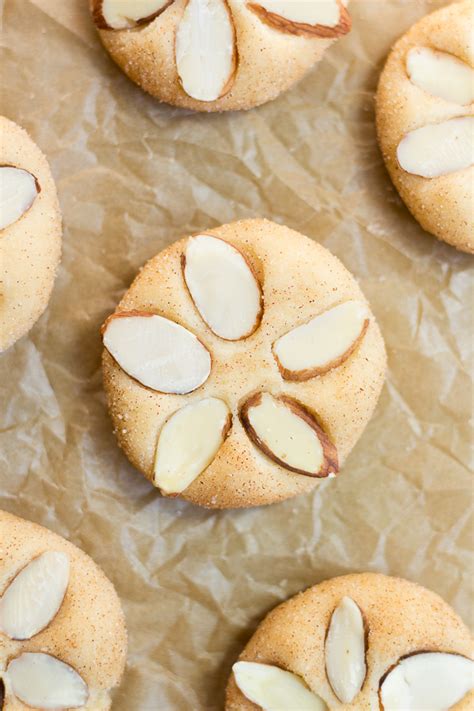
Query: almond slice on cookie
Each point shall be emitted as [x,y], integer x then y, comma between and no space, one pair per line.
[206,49]
[438,148]
[286,432]
[223,287]
[345,651]
[274,689]
[34,596]
[188,443]
[18,191]
[324,343]
[441,74]
[429,680]
[318,18]
[44,682]
[126,14]
[157,352]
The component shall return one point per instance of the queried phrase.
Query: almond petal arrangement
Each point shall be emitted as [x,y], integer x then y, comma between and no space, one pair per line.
[425,122]
[30,233]
[46,588]
[213,376]
[326,647]
[215,55]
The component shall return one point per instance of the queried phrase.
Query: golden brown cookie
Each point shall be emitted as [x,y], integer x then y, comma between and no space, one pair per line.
[218,55]
[30,233]
[242,366]
[425,122]
[62,631]
[358,642]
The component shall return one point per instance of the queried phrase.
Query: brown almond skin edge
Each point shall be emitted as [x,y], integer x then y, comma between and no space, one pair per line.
[101,22]
[331,461]
[302,29]
[125,314]
[299,376]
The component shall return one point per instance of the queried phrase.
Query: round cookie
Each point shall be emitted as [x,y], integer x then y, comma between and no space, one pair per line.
[62,631]
[425,122]
[30,233]
[215,391]
[361,642]
[218,55]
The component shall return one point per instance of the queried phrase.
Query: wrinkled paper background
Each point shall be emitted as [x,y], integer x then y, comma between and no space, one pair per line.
[133,176]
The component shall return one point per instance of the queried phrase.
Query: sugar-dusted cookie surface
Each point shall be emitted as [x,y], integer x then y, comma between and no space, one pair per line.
[218,55]
[359,642]
[62,631]
[30,233]
[425,122]
[242,366]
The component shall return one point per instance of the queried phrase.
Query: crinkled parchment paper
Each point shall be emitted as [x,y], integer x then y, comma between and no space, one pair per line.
[132,177]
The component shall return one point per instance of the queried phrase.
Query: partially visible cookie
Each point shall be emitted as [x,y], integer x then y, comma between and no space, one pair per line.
[242,366]
[218,55]
[30,233]
[360,642]
[425,122]
[62,631]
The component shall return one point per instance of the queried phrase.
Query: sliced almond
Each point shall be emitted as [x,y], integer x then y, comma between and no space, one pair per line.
[188,443]
[430,681]
[35,595]
[441,74]
[18,191]
[223,287]
[284,430]
[438,148]
[159,353]
[318,18]
[323,343]
[345,651]
[274,689]
[206,49]
[126,14]
[44,682]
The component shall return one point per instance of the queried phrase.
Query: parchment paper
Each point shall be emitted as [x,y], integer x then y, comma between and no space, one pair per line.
[132,177]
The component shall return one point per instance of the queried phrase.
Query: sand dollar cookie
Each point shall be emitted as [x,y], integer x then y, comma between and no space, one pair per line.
[425,122]
[360,642]
[242,366]
[30,233]
[218,55]
[62,632]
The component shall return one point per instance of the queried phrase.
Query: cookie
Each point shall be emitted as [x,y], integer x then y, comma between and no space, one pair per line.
[62,631]
[30,233]
[218,55]
[425,122]
[242,366]
[361,642]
